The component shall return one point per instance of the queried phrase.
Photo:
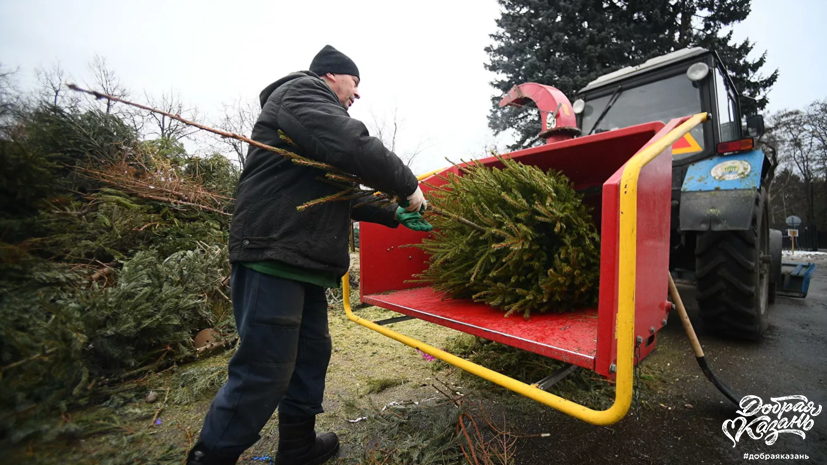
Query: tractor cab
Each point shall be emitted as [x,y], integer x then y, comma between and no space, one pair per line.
[717,180]
[681,83]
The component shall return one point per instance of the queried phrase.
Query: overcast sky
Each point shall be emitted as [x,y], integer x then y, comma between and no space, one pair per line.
[425,59]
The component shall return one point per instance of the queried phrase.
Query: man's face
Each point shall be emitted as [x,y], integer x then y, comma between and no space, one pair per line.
[346,88]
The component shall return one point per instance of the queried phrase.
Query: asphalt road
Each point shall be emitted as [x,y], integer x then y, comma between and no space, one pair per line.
[685,424]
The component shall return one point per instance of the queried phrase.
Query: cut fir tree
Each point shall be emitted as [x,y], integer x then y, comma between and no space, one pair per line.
[536,250]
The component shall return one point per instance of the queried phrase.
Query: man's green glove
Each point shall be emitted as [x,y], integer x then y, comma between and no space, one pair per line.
[412,220]
[405,205]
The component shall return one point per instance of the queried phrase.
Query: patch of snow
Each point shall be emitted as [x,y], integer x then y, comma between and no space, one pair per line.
[803,255]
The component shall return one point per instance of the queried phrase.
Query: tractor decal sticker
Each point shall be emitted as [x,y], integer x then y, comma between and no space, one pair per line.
[731,170]
[725,172]
[686,144]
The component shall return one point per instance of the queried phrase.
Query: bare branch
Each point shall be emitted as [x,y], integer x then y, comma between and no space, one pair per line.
[165,127]
[285,153]
[10,100]
[52,82]
[798,148]
[388,129]
[104,78]
[239,117]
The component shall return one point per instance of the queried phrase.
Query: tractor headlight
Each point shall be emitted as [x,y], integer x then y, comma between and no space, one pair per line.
[697,72]
[578,106]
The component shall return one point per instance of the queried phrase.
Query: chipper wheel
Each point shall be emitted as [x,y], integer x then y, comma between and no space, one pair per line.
[733,273]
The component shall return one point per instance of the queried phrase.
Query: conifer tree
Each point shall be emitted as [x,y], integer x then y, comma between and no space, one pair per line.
[535,247]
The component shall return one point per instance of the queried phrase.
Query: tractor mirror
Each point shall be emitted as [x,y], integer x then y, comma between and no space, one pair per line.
[755,126]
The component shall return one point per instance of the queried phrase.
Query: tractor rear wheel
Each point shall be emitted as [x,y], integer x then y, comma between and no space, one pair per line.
[733,273]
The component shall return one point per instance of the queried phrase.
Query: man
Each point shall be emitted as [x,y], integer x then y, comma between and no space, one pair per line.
[283,259]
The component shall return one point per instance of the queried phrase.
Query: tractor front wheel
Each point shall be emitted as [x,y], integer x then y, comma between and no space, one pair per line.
[732,269]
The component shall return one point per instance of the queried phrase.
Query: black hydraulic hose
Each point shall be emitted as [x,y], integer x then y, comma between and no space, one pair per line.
[696,346]
[731,395]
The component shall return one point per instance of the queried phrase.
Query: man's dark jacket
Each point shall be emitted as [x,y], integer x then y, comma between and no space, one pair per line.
[266,224]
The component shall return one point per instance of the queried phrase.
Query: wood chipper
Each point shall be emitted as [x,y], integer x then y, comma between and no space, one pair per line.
[626,176]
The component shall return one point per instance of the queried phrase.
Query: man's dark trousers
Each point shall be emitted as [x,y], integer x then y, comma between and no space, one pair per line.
[281,361]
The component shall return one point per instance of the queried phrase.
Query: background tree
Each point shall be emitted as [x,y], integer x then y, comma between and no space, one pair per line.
[9,100]
[795,141]
[800,152]
[107,81]
[565,44]
[770,143]
[817,122]
[569,43]
[52,86]
[168,128]
[239,118]
[788,197]
[387,128]
[708,24]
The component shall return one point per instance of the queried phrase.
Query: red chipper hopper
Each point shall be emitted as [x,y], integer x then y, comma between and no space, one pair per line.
[625,176]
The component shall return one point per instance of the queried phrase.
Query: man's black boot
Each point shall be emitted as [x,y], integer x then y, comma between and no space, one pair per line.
[299,445]
[199,455]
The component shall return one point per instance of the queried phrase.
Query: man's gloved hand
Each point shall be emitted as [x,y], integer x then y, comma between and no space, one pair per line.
[416,201]
[412,220]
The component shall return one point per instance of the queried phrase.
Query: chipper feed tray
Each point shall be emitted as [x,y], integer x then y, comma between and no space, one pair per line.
[584,337]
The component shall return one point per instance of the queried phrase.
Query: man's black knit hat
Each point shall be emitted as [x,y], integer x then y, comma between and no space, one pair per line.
[330,60]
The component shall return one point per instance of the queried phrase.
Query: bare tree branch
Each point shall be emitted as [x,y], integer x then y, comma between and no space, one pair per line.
[387,129]
[817,121]
[800,150]
[285,153]
[104,78]
[52,82]
[239,117]
[9,100]
[164,126]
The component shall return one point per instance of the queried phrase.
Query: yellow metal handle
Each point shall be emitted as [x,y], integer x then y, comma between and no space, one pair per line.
[625,312]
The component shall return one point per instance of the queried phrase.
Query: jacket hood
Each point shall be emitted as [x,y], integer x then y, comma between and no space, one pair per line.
[265,94]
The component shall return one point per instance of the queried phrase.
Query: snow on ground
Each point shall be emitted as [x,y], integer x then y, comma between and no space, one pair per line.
[803,255]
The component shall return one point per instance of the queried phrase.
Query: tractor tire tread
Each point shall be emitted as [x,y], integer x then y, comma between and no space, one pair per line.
[725,270]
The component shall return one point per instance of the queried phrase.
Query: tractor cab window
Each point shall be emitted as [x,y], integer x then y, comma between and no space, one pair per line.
[727,119]
[663,100]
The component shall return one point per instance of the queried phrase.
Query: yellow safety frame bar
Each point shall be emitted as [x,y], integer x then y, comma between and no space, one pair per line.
[625,313]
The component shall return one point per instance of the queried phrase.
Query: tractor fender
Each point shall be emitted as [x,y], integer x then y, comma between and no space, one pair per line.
[718,193]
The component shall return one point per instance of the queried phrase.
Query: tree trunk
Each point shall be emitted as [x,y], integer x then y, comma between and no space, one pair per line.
[811,217]
[685,29]
[771,203]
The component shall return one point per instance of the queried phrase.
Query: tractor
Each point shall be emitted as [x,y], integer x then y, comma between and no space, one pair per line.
[720,238]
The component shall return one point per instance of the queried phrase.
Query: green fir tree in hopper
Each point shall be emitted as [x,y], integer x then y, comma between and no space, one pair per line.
[537,249]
